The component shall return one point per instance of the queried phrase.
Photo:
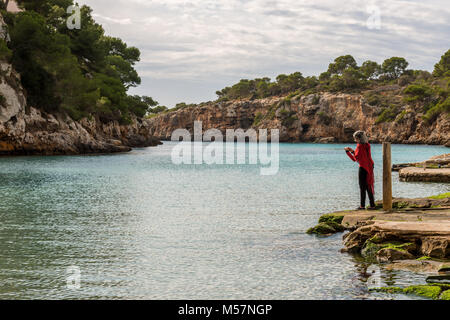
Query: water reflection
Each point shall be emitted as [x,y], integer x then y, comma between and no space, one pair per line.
[139,227]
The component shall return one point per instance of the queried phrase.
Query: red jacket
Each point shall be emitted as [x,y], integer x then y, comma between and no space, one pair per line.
[364,157]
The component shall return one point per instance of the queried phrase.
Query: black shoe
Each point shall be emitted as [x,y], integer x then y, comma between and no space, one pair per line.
[360,208]
[372,208]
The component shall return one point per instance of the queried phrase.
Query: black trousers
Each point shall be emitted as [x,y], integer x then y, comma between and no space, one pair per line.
[363,187]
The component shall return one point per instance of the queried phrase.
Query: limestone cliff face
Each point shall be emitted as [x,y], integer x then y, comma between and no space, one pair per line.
[323,117]
[26,130]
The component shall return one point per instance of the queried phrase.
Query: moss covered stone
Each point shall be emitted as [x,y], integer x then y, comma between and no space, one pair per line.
[326,228]
[441,196]
[328,224]
[375,239]
[370,250]
[445,295]
[387,289]
[423,258]
[331,217]
[321,228]
[427,291]
[399,246]
[373,246]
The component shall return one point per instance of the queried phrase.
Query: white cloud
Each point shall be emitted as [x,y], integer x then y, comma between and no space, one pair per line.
[208,44]
[109,19]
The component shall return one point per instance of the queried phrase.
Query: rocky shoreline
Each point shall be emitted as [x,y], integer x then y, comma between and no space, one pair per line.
[322,118]
[25,130]
[435,169]
[425,175]
[414,236]
[440,161]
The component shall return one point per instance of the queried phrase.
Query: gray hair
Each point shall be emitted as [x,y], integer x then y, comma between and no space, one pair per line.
[361,136]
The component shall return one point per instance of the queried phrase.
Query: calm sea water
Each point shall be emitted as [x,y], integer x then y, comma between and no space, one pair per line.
[140,227]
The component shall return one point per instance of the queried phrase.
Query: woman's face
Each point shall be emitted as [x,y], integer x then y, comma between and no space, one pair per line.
[356,139]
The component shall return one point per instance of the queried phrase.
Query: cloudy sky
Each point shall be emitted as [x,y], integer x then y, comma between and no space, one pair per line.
[191,48]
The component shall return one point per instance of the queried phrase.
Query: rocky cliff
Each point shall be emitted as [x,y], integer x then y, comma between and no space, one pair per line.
[321,117]
[25,130]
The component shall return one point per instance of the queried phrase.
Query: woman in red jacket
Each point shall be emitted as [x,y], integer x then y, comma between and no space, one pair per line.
[363,156]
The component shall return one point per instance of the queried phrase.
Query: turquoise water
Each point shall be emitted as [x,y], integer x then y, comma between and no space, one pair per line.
[140,227]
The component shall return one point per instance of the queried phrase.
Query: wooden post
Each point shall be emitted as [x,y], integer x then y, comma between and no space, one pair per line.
[387,177]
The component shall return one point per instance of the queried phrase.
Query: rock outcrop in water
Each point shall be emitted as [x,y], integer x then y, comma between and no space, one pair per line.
[414,236]
[324,117]
[415,227]
[425,175]
[435,169]
[440,161]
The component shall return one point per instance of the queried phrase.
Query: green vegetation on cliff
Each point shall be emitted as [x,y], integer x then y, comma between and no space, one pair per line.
[84,72]
[81,72]
[342,75]
[427,93]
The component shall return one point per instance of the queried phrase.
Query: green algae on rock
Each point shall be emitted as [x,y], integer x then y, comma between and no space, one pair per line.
[441,196]
[445,295]
[430,291]
[427,291]
[326,228]
[385,252]
[423,258]
[370,250]
[331,217]
[329,223]
[387,290]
